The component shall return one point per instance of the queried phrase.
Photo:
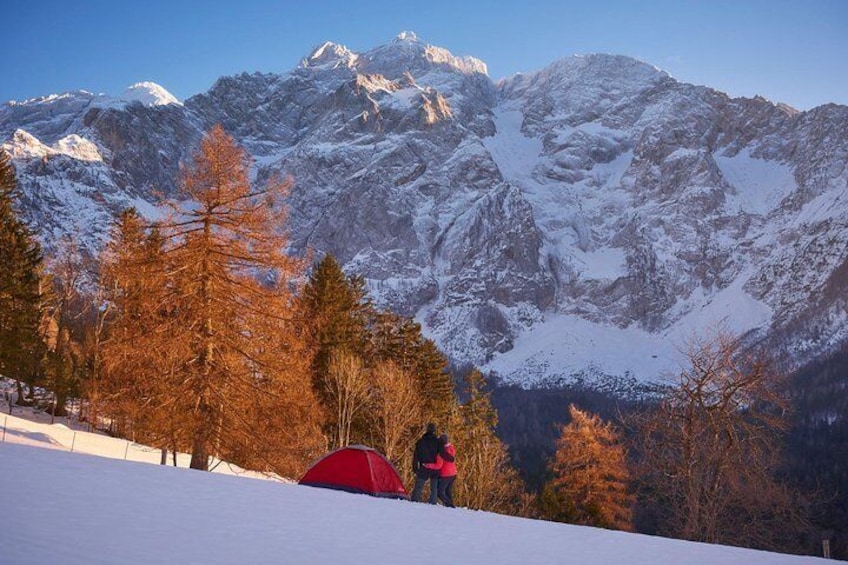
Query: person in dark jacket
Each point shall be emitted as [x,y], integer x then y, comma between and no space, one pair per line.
[447,472]
[426,464]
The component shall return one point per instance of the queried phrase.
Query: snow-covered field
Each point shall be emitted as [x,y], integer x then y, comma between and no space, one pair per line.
[27,426]
[72,508]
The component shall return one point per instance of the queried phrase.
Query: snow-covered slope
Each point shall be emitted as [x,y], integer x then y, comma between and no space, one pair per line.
[580,220]
[69,508]
[30,427]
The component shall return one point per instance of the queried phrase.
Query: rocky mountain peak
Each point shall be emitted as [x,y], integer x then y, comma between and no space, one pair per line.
[790,111]
[595,76]
[149,94]
[408,53]
[330,54]
[406,37]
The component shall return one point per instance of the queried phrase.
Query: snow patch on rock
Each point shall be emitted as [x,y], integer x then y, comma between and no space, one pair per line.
[759,185]
[24,145]
[78,148]
[52,98]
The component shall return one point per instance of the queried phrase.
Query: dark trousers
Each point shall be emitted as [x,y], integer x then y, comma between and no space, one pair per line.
[446,490]
[419,486]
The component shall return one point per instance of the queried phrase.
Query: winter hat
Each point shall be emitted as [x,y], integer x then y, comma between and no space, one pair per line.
[444,439]
[431,428]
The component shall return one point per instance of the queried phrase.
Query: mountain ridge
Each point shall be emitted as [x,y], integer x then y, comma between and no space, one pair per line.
[596,197]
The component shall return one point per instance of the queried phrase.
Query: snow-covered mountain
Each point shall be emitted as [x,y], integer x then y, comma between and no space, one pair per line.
[580,220]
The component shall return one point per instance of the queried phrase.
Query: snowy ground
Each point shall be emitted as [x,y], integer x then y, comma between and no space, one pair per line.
[27,426]
[70,508]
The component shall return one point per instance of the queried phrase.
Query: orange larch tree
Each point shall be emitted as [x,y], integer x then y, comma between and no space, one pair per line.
[226,356]
[590,476]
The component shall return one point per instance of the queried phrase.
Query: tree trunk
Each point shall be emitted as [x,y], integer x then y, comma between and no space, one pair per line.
[200,442]
[199,455]
[59,408]
[202,432]
[20,399]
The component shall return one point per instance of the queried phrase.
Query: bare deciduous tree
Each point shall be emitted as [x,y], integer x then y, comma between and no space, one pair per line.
[348,389]
[397,410]
[709,452]
[67,306]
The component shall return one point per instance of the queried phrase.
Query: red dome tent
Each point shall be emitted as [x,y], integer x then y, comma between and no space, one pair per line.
[356,468]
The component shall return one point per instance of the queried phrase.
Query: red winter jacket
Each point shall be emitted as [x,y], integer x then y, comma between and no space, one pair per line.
[449,467]
[437,466]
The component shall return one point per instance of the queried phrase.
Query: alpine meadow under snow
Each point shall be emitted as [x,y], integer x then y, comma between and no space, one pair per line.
[71,508]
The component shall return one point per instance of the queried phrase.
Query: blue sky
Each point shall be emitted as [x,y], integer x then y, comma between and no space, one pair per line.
[787,51]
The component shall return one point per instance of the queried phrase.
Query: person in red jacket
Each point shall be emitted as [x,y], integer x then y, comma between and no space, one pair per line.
[447,472]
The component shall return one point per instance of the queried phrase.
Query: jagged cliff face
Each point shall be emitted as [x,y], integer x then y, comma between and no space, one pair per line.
[582,219]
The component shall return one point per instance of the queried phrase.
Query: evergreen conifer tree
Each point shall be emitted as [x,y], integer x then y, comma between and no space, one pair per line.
[20,291]
[487,481]
[400,340]
[336,310]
